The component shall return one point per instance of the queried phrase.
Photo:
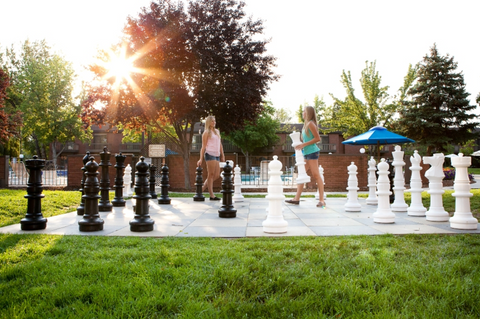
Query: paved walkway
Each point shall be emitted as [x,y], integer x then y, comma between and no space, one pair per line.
[186,218]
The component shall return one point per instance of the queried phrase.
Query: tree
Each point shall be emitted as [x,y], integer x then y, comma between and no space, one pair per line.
[437,114]
[282,115]
[256,134]
[190,63]
[318,105]
[353,116]
[9,122]
[43,85]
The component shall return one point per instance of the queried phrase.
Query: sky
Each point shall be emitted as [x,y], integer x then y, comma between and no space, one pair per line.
[314,40]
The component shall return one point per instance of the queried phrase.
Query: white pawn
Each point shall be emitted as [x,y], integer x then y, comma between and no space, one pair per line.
[462,217]
[384,214]
[127,180]
[299,160]
[435,176]
[237,183]
[352,204]
[275,223]
[317,197]
[372,183]
[398,163]
[416,205]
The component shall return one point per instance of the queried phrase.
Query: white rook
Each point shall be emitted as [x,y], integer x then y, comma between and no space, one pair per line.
[275,223]
[299,160]
[398,163]
[372,183]
[237,183]
[416,205]
[462,217]
[384,214]
[435,176]
[352,204]
[127,180]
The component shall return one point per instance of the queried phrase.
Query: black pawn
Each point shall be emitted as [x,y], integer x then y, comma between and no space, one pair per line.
[141,221]
[118,201]
[153,169]
[91,220]
[227,211]
[164,185]
[34,219]
[199,185]
[81,208]
[104,205]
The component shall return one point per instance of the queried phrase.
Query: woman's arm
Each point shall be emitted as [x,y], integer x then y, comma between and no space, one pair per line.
[222,156]
[202,150]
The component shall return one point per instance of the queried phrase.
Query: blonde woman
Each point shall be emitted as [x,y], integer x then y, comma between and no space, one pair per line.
[212,150]
[310,138]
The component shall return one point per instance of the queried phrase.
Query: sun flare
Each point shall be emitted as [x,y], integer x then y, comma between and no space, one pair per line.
[119,66]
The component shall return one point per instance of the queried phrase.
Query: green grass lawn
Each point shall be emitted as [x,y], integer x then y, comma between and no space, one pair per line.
[413,276]
[386,276]
[475,171]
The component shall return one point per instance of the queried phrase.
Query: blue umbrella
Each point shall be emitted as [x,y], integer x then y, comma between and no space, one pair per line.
[378,136]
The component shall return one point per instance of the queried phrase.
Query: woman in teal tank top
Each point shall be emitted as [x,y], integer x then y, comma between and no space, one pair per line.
[310,138]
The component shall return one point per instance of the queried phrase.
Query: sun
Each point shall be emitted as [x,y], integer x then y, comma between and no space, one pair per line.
[119,66]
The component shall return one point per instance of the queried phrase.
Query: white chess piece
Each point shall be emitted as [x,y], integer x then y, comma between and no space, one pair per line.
[416,205]
[352,204]
[462,217]
[275,223]
[127,180]
[435,175]
[299,160]
[384,214]
[317,196]
[398,163]
[372,183]
[237,183]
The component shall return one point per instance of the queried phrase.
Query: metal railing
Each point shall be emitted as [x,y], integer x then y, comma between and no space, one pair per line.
[18,175]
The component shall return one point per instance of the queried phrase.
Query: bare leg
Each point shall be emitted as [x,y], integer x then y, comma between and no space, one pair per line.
[299,192]
[213,169]
[313,168]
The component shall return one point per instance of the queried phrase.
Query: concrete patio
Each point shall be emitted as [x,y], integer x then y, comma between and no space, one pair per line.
[187,218]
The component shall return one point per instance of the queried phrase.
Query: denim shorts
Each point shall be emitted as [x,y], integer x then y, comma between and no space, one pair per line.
[209,157]
[312,156]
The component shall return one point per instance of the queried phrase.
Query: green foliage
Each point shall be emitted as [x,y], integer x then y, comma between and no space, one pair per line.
[43,88]
[258,134]
[282,115]
[352,116]
[438,113]
[412,276]
[319,107]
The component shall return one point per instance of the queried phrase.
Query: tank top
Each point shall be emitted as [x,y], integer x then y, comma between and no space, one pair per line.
[309,149]
[213,145]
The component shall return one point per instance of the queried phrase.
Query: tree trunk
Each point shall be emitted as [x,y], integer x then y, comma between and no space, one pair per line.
[186,168]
